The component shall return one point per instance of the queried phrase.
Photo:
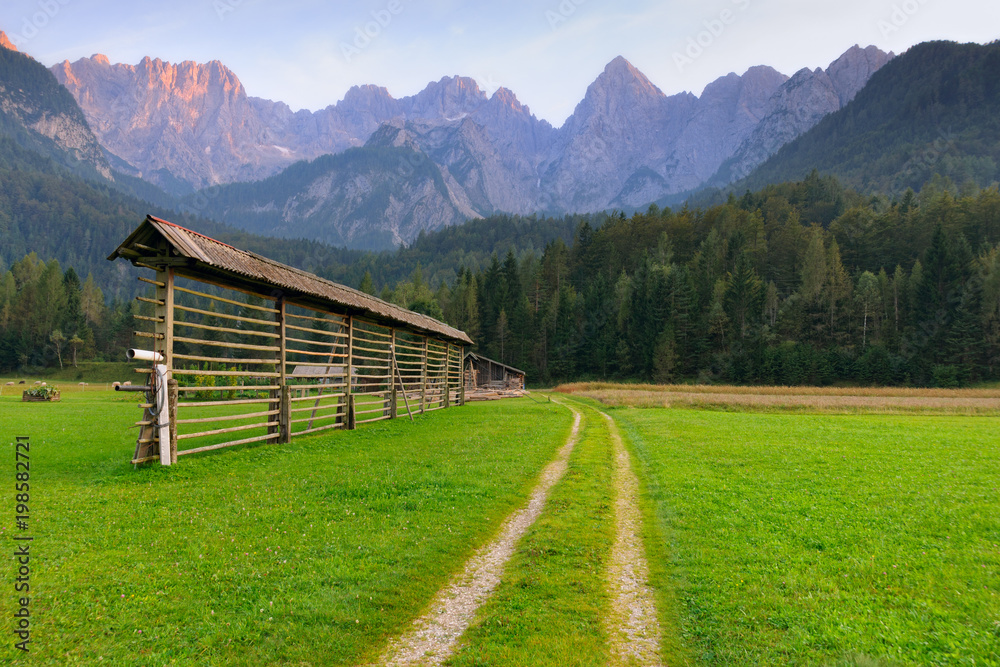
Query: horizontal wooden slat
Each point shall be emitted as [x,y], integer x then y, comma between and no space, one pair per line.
[223,418]
[224,360]
[315,354]
[152,282]
[340,319]
[316,397]
[313,419]
[337,406]
[233,443]
[212,404]
[249,374]
[155,302]
[224,300]
[231,389]
[225,316]
[324,343]
[330,334]
[373,419]
[216,343]
[327,427]
[241,332]
[220,431]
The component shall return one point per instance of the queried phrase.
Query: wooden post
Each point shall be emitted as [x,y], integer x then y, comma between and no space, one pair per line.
[393,372]
[285,418]
[461,390]
[164,314]
[349,417]
[423,378]
[280,396]
[447,375]
[172,414]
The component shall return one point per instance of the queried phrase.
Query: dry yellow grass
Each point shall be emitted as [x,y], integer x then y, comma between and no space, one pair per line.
[807,399]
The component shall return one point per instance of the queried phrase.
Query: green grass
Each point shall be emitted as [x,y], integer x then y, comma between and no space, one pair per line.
[94,372]
[310,553]
[824,540]
[548,609]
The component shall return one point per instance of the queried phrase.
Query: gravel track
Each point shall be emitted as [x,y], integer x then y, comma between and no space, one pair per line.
[633,628]
[433,636]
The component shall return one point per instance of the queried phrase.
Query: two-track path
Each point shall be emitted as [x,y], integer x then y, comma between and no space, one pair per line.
[433,636]
[632,626]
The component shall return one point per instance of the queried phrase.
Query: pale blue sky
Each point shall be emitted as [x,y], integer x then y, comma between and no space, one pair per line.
[308,52]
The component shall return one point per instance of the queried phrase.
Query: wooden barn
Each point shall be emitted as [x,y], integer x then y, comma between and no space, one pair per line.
[246,349]
[486,378]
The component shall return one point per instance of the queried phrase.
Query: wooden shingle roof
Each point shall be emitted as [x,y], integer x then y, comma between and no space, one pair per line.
[200,257]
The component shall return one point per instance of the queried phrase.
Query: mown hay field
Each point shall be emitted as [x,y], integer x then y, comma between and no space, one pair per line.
[886,400]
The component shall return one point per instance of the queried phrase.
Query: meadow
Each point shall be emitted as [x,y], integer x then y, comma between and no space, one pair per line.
[308,553]
[774,534]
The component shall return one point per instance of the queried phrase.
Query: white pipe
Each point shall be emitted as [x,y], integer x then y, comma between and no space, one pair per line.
[162,411]
[144,355]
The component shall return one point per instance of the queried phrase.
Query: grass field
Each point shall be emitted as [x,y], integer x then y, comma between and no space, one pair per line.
[308,553]
[776,533]
[826,539]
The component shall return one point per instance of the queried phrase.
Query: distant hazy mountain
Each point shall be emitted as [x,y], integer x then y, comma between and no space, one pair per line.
[801,103]
[932,110]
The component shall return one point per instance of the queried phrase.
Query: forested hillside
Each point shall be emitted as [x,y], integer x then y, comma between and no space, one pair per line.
[800,283]
[933,110]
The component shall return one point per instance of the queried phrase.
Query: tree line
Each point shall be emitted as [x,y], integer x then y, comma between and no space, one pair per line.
[797,283]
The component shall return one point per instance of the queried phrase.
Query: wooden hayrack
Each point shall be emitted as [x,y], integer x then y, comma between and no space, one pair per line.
[259,351]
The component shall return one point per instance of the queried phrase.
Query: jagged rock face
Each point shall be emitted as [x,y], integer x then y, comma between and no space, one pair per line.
[727,112]
[194,121]
[801,103]
[5,42]
[626,144]
[624,123]
[42,116]
[197,123]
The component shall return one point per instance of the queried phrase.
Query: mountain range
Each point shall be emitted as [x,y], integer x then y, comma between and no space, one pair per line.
[446,154]
[374,172]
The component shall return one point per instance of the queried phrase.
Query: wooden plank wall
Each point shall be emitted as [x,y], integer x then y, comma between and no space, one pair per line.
[253,368]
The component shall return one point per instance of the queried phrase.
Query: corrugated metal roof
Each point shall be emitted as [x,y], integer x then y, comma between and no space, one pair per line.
[226,258]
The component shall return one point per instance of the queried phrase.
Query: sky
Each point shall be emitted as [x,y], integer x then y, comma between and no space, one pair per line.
[308,53]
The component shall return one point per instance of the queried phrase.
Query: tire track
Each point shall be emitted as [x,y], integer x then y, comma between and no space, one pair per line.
[433,636]
[633,626]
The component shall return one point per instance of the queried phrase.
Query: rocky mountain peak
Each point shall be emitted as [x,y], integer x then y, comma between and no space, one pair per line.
[450,98]
[621,76]
[850,72]
[366,94]
[5,42]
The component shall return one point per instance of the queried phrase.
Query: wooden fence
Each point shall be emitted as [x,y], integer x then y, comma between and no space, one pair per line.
[247,367]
